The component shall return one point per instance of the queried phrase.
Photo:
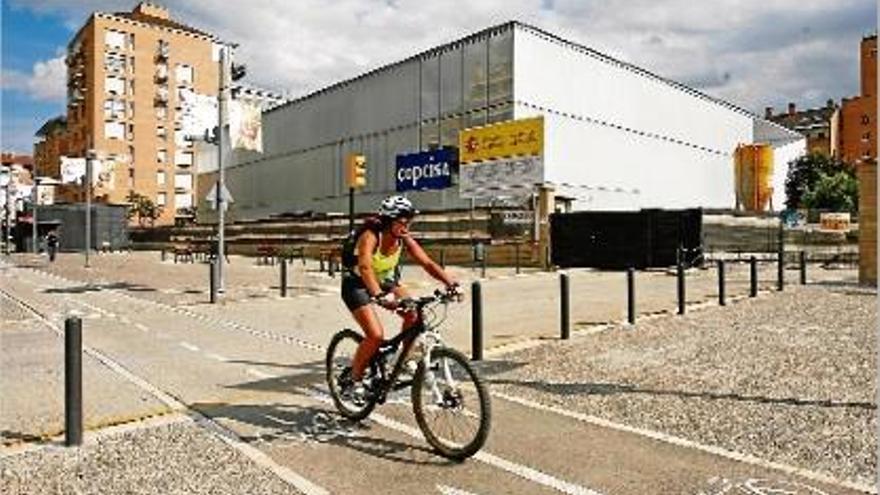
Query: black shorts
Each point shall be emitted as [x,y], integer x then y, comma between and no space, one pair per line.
[355,294]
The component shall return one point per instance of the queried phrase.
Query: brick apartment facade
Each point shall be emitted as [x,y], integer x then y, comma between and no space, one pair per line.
[126,72]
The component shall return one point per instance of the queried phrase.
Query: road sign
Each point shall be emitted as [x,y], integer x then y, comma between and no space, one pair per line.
[211,198]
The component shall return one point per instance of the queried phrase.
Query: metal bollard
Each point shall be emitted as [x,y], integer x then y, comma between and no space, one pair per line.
[321,264]
[331,268]
[483,267]
[517,258]
[283,277]
[721,299]
[73,418]
[803,266]
[631,296]
[163,255]
[681,289]
[780,270]
[213,279]
[476,322]
[564,314]
[753,277]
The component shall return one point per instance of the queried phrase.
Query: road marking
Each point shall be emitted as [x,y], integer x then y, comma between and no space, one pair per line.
[228,436]
[216,357]
[682,442]
[449,490]
[188,346]
[141,327]
[260,374]
[520,470]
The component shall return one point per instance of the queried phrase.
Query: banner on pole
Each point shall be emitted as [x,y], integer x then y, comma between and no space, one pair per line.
[72,169]
[246,125]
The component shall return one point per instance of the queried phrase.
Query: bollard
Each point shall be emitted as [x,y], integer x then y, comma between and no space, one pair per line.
[443,258]
[483,267]
[780,270]
[283,277]
[517,258]
[212,282]
[753,277]
[476,322]
[73,419]
[331,268]
[803,266]
[631,296]
[721,300]
[163,254]
[681,291]
[321,264]
[565,319]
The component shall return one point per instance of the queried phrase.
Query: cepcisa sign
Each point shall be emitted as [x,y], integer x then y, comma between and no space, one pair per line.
[425,170]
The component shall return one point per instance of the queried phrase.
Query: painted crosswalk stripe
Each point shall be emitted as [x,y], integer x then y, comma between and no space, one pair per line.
[188,346]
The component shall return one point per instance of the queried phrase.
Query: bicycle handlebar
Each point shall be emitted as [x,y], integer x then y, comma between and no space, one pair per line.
[443,297]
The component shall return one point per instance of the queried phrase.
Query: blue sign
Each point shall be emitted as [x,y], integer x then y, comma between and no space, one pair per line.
[425,170]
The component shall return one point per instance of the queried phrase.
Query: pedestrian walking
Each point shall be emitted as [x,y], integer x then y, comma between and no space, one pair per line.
[52,244]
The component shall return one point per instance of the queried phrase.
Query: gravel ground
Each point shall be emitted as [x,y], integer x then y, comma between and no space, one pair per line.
[171,459]
[788,377]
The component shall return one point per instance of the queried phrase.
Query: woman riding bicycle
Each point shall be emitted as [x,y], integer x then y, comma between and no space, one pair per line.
[370,275]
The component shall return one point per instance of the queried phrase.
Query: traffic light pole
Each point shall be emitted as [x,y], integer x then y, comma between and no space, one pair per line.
[350,209]
[89,159]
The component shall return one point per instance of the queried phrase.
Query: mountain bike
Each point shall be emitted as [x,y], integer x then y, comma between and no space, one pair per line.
[449,399]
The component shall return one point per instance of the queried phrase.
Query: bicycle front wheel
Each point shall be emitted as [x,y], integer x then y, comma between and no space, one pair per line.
[451,404]
[340,355]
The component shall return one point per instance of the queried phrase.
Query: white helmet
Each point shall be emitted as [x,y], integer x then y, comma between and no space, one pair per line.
[397,207]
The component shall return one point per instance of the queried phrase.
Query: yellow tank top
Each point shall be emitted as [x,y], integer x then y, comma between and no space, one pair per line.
[383,266]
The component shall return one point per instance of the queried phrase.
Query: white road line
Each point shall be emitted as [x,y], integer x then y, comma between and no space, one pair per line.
[525,472]
[260,374]
[449,490]
[216,357]
[681,442]
[225,434]
[188,346]
[141,327]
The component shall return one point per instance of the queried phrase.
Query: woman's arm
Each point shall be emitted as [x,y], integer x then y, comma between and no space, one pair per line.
[366,245]
[422,258]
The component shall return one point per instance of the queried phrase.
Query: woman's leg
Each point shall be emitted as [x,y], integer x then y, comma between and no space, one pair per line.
[410,317]
[373,335]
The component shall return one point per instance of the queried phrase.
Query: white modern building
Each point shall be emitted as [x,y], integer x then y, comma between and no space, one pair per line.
[615,136]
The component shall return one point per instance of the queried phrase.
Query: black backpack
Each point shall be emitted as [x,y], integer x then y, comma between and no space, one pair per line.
[349,244]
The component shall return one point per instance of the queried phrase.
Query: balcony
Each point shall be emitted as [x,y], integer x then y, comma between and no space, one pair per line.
[162,51]
[161,98]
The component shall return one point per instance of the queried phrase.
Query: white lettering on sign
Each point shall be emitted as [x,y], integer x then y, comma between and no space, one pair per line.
[428,171]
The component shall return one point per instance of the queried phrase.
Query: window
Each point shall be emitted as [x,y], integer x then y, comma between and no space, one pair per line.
[131,64]
[114,130]
[114,39]
[114,62]
[183,181]
[181,140]
[184,158]
[865,119]
[866,137]
[160,132]
[131,109]
[160,178]
[184,74]
[131,177]
[131,41]
[161,156]
[161,113]
[114,109]
[130,131]
[131,88]
[114,85]
[183,200]
[160,199]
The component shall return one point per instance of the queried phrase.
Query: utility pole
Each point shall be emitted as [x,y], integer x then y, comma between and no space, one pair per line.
[90,156]
[221,175]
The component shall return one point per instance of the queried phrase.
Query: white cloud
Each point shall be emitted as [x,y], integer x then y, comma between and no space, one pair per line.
[46,82]
[753,53]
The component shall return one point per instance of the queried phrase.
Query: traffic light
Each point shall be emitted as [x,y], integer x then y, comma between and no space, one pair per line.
[356,171]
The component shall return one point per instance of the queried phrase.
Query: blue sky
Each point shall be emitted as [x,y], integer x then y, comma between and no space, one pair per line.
[752,53]
[27,38]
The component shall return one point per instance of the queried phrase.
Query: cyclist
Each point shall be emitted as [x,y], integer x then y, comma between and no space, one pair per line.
[370,259]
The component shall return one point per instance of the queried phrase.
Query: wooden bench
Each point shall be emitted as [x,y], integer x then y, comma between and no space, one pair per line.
[266,254]
[183,252]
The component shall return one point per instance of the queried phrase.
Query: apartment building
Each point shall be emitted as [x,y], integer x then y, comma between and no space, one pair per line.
[129,76]
[858,138]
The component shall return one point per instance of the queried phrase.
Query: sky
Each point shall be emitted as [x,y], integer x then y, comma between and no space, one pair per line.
[753,53]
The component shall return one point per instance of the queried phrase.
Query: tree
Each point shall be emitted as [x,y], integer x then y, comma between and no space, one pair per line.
[143,208]
[804,174]
[837,192]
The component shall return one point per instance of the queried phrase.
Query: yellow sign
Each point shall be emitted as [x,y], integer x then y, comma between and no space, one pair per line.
[512,138]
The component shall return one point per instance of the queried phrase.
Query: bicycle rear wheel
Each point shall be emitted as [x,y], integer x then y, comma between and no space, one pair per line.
[340,355]
[451,404]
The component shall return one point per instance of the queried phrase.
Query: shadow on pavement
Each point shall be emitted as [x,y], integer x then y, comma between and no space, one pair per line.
[80,289]
[568,389]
